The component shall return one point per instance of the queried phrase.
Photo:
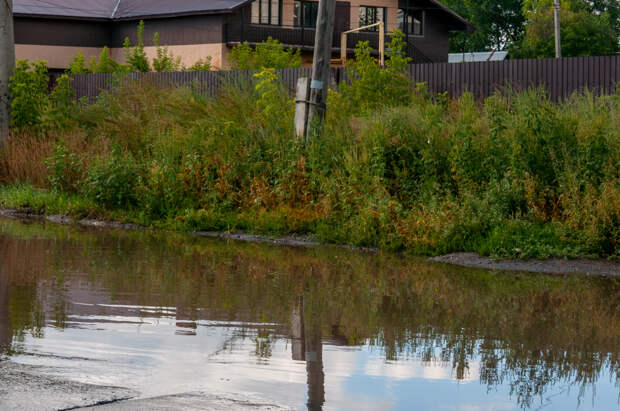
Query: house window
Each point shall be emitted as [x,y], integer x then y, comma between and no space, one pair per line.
[305,13]
[371,15]
[411,21]
[266,12]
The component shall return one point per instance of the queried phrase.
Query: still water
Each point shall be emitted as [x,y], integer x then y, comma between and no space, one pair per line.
[161,314]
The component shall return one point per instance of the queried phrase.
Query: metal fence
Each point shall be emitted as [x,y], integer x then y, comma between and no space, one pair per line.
[560,77]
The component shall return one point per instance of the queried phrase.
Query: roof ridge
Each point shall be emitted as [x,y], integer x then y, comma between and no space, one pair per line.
[118,3]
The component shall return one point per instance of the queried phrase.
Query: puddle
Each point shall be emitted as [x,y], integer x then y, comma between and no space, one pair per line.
[160,314]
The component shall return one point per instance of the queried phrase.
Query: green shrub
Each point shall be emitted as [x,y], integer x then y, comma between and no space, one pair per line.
[112,180]
[269,54]
[65,170]
[29,86]
[371,86]
[200,65]
[62,105]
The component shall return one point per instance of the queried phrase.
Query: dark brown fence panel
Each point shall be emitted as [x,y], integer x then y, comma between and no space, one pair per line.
[560,77]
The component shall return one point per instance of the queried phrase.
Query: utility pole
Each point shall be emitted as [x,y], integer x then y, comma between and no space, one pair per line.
[556,23]
[7,63]
[322,61]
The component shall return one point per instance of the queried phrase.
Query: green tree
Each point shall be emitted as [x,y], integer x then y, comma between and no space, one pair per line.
[135,57]
[586,29]
[269,54]
[499,24]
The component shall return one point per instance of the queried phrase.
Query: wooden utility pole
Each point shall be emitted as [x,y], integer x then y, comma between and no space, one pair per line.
[7,63]
[556,24]
[322,61]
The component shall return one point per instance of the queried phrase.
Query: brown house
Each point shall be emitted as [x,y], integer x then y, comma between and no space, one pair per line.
[55,30]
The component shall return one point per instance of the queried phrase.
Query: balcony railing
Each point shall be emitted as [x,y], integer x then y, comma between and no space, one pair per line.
[303,37]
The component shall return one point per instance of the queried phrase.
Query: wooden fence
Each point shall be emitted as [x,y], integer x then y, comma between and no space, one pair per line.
[560,77]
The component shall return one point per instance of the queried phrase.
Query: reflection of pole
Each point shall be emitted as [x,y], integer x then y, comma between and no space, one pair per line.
[297,331]
[314,366]
[6,335]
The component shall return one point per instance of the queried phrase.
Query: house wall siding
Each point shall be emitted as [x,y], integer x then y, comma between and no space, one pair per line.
[207,29]
[435,42]
[57,57]
[56,32]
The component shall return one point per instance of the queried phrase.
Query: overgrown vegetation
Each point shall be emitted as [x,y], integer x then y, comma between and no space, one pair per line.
[395,167]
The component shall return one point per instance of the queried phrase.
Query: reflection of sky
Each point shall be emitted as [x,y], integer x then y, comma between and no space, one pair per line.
[145,354]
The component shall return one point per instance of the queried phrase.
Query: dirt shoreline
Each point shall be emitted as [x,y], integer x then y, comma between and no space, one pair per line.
[547,266]
[463,259]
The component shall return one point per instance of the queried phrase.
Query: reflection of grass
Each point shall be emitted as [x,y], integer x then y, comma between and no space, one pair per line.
[527,330]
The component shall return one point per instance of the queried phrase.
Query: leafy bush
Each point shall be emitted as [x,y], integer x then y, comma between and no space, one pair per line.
[33,107]
[64,169]
[29,92]
[269,54]
[372,86]
[62,105]
[112,181]
[200,65]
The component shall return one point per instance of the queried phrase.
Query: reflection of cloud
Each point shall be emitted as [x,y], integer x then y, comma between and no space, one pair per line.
[406,369]
[493,406]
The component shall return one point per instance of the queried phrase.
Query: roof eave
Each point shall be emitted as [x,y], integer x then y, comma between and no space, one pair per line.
[61,17]
[171,15]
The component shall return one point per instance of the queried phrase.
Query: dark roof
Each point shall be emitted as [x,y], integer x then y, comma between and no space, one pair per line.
[122,9]
[134,9]
[147,8]
[98,9]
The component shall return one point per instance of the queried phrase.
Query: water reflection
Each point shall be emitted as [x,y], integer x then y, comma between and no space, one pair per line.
[6,334]
[366,328]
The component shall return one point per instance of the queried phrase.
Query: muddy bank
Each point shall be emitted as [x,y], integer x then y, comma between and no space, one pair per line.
[549,266]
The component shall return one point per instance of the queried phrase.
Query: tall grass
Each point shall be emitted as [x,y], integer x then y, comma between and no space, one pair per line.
[515,175]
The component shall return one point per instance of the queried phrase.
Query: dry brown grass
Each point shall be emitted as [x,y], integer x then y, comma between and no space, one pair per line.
[22,156]
[21,159]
